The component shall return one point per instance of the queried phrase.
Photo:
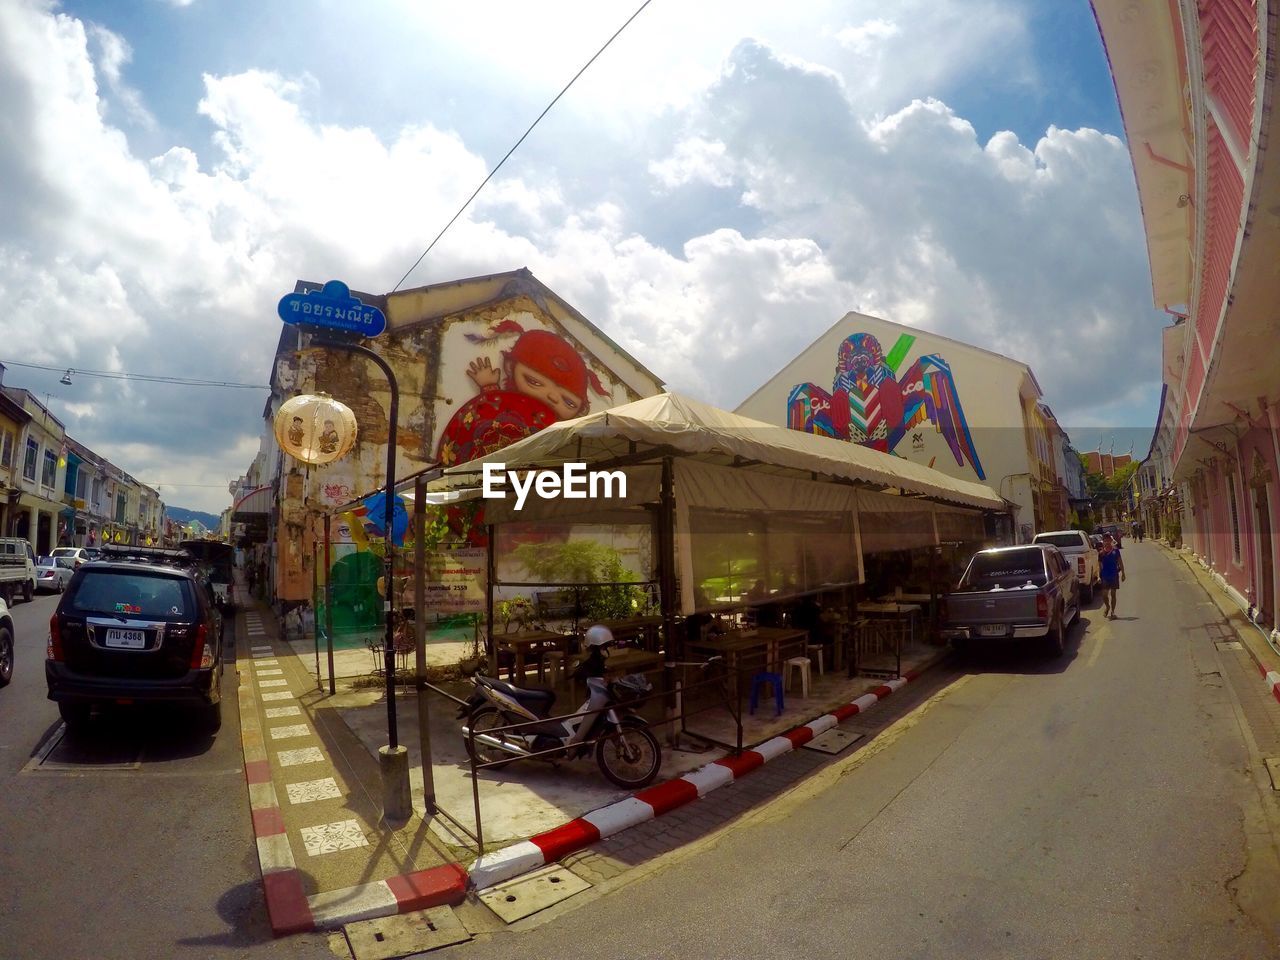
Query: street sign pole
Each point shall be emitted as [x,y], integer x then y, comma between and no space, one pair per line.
[336,319]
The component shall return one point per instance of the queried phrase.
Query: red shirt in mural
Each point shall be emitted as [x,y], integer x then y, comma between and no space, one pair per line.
[543,380]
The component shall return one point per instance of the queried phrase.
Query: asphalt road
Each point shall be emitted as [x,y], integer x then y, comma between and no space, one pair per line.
[131,841]
[1097,806]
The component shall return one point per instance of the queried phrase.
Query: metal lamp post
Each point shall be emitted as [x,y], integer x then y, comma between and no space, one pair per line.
[336,319]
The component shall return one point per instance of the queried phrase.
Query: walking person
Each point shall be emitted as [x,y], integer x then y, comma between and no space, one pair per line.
[1112,574]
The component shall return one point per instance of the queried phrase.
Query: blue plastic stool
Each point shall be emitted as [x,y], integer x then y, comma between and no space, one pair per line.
[759,680]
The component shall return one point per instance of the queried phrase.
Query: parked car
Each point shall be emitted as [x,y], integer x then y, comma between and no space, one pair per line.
[1081,554]
[17,569]
[1013,594]
[78,554]
[219,559]
[54,573]
[140,627]
[1115,529]
[6,644]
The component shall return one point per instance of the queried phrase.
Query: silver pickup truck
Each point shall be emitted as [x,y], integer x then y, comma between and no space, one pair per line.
[1013,594]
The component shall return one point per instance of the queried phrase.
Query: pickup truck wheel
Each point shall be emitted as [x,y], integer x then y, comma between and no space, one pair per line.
[29,590]
[1088,597]
[1057,638]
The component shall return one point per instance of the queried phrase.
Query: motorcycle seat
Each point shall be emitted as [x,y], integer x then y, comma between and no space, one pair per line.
[537,700]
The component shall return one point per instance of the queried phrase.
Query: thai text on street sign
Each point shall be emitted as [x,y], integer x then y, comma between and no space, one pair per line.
[333,308]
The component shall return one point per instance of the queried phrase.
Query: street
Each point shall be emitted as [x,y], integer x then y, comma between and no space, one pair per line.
[1104,805]
[1107,804]
[132,841]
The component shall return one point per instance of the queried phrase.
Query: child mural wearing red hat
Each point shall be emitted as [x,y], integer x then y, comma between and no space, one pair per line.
[543,380]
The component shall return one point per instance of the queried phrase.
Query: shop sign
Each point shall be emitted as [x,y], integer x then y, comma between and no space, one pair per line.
[332,308]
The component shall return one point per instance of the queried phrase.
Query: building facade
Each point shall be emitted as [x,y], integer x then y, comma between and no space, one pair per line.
[1196,84]
[479,363]
[965,411]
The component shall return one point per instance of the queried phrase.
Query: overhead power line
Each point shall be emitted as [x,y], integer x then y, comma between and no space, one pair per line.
[492,172]
[121,375]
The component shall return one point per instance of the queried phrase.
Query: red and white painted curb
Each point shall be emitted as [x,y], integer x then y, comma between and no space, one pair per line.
[289,909]
[1271,678]
[537,851]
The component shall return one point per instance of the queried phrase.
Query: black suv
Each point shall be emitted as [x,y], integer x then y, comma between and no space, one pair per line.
[138,625]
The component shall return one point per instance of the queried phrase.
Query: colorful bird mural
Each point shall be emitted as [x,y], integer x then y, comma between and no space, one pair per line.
[870,405]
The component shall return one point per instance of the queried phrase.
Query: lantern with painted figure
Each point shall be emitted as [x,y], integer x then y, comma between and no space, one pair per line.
[315,428]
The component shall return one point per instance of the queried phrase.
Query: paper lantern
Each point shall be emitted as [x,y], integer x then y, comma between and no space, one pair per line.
[315,428]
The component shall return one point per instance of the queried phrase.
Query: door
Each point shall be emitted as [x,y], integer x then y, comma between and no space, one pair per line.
[1266,569]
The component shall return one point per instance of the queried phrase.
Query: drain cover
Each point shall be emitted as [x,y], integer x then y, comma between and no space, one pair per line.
[517,899]
[1230,645]
[833,741]
[1273,768]
[405,933]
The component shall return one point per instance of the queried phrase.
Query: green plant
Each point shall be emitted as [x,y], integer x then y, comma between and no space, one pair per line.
[604,593]
[520,610]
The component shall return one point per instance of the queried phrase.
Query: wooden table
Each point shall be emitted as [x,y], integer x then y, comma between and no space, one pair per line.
[921,598]
[631,628]
[632,661]
[525,642]
[735,645]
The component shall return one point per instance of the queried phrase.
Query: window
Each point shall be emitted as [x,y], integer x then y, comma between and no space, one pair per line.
[29,464]
[1235,519]
[82,485]
[6,450]
[119,508]
[50,473]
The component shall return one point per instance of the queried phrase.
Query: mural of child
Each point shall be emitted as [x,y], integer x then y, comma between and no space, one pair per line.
[542,380]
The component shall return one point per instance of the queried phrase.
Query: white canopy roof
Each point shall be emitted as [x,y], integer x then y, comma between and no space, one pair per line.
[691,428]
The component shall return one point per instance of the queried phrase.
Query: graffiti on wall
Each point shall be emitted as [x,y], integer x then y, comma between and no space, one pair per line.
[870,404]
[539,380]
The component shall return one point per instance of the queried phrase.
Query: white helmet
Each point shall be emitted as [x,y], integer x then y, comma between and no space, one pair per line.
[599,636]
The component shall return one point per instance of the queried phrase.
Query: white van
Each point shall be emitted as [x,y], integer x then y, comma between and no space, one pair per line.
[17,569]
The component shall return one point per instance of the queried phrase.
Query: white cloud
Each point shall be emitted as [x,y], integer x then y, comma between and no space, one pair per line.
[865,37]
[793,190]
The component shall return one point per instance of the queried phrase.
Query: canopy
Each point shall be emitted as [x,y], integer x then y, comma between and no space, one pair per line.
[681,426]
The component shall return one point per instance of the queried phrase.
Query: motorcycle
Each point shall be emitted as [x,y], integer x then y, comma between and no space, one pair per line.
[626,750]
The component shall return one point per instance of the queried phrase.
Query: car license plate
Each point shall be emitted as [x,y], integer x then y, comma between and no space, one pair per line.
[126,639]
[992,630]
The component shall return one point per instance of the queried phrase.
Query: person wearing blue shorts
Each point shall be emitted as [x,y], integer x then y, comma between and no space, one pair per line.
[1112,574]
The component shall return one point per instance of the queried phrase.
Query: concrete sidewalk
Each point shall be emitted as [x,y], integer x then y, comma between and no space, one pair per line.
[1257,641]
[326,854]
[315,786]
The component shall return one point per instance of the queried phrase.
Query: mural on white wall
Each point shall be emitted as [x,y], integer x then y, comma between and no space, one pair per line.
[522,379]
[869,404]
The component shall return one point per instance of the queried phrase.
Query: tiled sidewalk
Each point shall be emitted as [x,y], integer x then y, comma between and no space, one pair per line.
[326,854]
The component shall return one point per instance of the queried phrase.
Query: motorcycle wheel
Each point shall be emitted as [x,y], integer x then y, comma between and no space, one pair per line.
[631,757]
[482,721]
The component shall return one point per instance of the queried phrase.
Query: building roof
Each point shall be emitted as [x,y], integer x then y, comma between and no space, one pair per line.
[435,302]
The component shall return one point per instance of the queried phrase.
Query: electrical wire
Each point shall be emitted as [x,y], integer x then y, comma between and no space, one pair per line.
[492,172]
[120,375]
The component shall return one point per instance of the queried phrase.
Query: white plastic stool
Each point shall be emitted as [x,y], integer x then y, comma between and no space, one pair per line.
[814,650]
[800,664]
[555,661]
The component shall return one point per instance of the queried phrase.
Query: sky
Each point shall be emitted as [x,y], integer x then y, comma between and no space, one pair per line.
[725,182]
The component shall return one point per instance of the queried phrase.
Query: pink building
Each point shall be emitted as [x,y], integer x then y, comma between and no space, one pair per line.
[1196,84]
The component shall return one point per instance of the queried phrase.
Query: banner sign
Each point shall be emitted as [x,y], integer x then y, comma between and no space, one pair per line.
[455,581]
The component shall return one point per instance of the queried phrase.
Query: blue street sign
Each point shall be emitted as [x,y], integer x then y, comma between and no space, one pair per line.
[333,308]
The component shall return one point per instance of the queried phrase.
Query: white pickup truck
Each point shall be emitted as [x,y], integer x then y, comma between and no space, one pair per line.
[1080,554]
[17,569]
